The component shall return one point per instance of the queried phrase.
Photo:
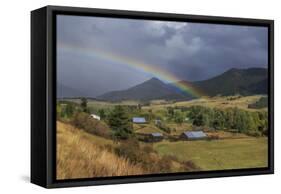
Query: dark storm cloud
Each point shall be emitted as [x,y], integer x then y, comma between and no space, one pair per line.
[188,50]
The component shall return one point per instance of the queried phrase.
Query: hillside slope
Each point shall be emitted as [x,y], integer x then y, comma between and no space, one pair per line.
[235,81]
[78,156]
[149,90]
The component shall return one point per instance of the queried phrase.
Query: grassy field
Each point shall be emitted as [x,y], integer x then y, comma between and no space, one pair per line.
[211,102]
[95,104]
[158,105]
[221,154]
[80,155]
[146,128]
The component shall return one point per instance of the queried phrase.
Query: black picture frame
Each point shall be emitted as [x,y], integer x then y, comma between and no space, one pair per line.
[43,95]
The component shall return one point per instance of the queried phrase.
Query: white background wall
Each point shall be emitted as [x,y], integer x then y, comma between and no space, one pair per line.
[15,95]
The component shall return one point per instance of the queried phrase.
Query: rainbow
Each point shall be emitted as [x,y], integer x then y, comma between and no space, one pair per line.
[153,70]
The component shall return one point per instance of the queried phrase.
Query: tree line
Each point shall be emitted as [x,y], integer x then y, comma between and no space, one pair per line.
[251,123]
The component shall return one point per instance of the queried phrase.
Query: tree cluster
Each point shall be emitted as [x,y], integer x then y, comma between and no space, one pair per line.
[252,123]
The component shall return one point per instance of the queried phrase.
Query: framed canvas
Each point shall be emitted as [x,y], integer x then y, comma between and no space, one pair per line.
[126,96]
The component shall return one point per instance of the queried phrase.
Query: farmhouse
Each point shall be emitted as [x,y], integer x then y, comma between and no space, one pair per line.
[193,135]
[156,137]
[97,117]
[139,120]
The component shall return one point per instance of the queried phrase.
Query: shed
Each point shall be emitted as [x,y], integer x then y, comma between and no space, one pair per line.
[97,117]
[156,136]
[139,120]
[193,135]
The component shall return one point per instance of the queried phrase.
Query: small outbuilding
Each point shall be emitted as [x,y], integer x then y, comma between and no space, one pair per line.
[156,137]
[193,135]
[97,117]
[139,120]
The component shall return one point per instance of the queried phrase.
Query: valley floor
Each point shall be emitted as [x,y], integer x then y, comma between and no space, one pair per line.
[219,154]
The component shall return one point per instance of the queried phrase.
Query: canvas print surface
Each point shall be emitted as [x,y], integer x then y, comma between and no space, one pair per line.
[141,97]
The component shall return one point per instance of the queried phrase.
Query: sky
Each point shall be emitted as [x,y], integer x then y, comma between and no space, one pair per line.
[99,55]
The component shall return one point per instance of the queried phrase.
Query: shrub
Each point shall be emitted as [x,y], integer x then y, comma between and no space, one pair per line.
[164,164]
[83,121]
[148,149]
[261,103]
[163,127]
[129,149]
[190,166]
[148,159]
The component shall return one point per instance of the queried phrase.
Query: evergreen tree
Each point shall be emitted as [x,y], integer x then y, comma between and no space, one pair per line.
[102,114]
[69,110]
[171,111]
[84,104]
[120,123]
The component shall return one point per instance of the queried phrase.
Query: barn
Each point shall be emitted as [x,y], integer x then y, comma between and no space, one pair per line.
[193,135]
[139,120]
[97,117]
[156,137]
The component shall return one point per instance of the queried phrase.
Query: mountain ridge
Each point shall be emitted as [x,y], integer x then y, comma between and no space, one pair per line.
[234,81]
[151,89]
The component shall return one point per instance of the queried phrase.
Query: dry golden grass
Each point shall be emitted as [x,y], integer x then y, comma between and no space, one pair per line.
[220,102]
[227,135]
[79,156]
[147,128]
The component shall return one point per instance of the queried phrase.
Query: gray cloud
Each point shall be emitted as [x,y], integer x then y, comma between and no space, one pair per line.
[191,51]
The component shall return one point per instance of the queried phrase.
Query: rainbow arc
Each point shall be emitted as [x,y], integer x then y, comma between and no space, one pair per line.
[154,70]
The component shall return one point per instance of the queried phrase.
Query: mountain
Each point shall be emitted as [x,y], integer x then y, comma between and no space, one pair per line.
[149,90]
[67,92]
[235,81]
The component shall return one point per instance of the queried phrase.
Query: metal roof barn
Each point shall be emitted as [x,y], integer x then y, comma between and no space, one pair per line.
[139,120]
[194,134]
[157,134]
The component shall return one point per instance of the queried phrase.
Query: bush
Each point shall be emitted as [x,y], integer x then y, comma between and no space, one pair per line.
[144,156]
[79,119]
[148,149]
[83,121]
[163,127]
[190,166]
[65,110]
[129,149]
[261,103]
[164,164]
[254,133]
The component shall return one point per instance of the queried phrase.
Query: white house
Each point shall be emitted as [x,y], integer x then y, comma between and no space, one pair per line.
[95,116]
